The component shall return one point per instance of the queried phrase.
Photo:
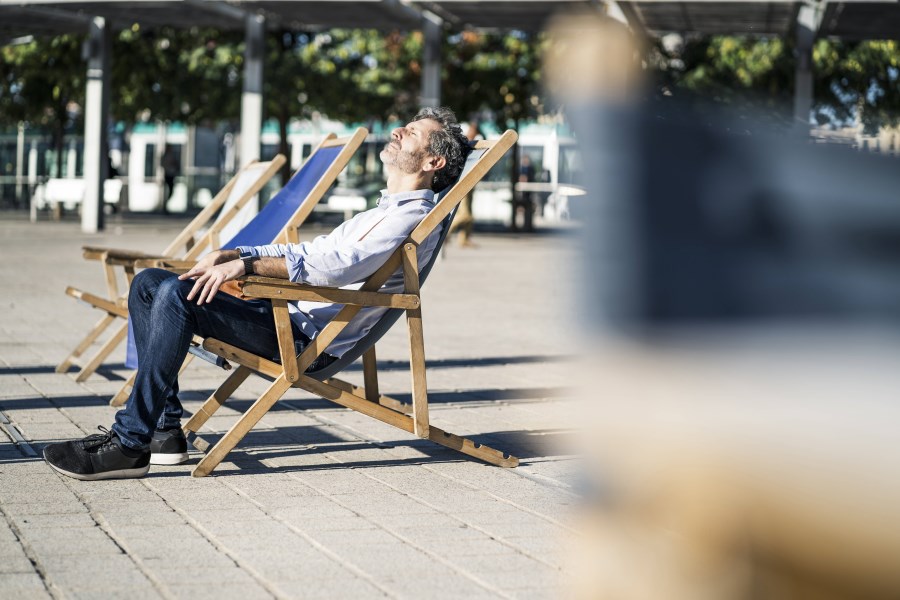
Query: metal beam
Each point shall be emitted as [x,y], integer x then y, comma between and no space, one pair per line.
[808,20]
[96,110]
[433,31]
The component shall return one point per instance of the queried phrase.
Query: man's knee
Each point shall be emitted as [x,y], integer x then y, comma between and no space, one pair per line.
[149,284]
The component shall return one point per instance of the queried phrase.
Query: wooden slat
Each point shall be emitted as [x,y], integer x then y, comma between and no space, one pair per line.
[392,403]
[210,240]
[268,287]
[242,357]
[217,399]
[124,392]
[416,343]
[467,446]
[285,340]
[370,375]
[243,425]
[385,415]
[92,335]
[105,350]
[109,306]
[112,285]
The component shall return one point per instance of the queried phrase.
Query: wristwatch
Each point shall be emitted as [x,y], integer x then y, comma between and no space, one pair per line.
[247,258]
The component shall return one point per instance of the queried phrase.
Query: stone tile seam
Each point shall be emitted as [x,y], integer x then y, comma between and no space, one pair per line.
[456,568]
[214,542]
[425,503]
[29,554]
[102,524]
[361,573]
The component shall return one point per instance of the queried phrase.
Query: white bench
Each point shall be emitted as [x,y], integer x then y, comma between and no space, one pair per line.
[67,193]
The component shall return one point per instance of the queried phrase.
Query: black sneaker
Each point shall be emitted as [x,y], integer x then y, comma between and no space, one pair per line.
[168,447]
[98,456]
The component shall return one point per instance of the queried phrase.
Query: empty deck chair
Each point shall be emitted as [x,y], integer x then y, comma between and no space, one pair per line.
[191,242]
[278,221]
[291,372]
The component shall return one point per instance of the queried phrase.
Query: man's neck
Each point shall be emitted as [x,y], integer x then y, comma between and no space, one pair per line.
[406,182]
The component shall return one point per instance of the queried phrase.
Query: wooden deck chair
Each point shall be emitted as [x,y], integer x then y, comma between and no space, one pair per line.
[245,184]
[278,222]
[367,400]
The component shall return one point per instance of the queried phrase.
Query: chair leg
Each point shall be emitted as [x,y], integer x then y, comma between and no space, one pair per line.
[105,350]
[124,391]
[89,339]
[243,425]
[217,399]
[417,368]
[370,375]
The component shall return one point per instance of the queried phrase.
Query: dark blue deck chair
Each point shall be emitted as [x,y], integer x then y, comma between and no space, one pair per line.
[277,222]
[292,373]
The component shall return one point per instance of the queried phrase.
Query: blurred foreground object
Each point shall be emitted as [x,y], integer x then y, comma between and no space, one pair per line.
[741,290]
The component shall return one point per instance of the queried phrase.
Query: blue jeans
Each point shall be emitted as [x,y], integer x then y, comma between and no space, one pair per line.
[164,323]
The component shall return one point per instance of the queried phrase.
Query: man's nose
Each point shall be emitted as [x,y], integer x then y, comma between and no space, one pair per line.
[397,133]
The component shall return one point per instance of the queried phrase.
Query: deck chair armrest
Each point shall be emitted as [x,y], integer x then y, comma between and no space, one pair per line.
[281,289]
[117,256]
[171,264]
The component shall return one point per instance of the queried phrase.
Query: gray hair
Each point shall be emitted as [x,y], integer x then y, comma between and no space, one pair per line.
[448,142]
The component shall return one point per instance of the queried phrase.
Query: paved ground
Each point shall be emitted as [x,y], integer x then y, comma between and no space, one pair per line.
[317,502]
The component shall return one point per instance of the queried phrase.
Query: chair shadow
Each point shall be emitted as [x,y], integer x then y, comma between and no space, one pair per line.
[312,440]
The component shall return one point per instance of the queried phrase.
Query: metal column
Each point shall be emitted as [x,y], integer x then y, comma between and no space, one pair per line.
[431,60]
[807,25]
[96,110]
[251,100]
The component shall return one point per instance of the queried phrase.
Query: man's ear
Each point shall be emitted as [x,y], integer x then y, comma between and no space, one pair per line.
[434,163]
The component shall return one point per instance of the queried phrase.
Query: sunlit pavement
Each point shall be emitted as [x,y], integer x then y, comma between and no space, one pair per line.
[317,501]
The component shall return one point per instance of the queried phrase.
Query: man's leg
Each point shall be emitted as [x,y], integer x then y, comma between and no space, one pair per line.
[164,323]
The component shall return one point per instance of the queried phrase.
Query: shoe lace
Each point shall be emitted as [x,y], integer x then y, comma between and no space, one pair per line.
[98,440]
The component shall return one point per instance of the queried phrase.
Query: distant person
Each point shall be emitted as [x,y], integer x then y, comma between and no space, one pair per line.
[525,198]
[171,170]
[167,310]
[464,221]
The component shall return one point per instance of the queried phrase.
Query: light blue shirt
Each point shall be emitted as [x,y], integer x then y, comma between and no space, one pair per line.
[348,255]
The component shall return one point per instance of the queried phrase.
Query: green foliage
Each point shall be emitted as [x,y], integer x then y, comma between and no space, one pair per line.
[177,75]
[858,79]
[494,74]
[43,82]
[851,80]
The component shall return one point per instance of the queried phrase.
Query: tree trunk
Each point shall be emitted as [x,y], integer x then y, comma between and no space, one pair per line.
[283,146]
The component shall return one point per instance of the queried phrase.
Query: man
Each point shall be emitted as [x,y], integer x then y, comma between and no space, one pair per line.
[166,310]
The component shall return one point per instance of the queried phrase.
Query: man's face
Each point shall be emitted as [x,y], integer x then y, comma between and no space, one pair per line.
[408,147]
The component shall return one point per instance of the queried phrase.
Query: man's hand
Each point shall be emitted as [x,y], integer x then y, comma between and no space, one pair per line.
[209,274]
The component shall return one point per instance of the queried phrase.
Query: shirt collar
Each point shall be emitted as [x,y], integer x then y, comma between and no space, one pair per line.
[388,199]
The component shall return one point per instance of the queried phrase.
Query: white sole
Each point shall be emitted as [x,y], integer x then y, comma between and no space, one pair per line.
[120,474]
[168,459]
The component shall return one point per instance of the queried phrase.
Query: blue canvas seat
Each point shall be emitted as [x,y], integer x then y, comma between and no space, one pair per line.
[292,372]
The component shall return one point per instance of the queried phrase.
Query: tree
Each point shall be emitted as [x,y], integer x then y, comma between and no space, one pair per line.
[43,83]
[852,80]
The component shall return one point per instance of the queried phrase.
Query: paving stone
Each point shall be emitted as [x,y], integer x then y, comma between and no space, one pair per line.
[307,494]
[22,585]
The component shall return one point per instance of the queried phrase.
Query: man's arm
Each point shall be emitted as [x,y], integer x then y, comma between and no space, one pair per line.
[225,265]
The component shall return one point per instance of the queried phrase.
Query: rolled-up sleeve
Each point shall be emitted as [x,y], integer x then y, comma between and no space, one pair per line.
[351,252]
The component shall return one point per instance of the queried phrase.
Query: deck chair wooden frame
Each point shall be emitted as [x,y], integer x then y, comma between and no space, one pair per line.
[195,247]
[115,304]
[366,400]
[289,232]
